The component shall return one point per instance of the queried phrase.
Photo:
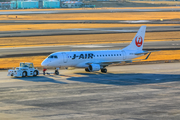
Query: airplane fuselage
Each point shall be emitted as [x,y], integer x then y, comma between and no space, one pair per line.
[82,58]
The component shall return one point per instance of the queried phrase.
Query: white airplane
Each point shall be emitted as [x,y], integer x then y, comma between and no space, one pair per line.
[98,60]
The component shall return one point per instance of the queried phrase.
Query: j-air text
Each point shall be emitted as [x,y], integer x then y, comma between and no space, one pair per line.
[83,56]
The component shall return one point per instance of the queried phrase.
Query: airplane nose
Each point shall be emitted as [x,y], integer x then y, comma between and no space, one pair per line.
[44,63]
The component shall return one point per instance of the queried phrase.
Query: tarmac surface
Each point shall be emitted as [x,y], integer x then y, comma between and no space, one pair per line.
[46,50]
[132,92]
[81,31]
[93,10]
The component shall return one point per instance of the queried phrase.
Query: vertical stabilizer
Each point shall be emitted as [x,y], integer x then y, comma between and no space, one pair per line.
[138,41]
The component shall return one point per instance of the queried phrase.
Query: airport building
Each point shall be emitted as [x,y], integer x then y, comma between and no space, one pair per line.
[51,4]
[32,4]
[72,4]
[27,4]
[5,5]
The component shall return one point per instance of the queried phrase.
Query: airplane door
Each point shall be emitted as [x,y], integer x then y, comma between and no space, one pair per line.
[124,55]
[65,57]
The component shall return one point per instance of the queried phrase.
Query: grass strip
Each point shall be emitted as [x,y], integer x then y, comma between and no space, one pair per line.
[96,16]
[85,39]
[16,27]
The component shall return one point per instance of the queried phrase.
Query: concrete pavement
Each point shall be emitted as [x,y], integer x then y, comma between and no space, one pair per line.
[143,92]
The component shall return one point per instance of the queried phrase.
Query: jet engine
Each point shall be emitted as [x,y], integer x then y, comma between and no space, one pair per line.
[94,67]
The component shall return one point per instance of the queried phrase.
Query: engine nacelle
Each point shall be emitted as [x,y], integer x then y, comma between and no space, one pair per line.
[94,67]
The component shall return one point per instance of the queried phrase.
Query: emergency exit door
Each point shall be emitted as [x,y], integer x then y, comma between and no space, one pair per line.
[65,57]
[124,54]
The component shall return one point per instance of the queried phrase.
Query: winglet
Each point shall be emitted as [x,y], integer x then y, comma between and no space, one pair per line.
[147,56]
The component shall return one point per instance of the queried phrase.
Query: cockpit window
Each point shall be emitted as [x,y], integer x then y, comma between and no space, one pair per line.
[53,56]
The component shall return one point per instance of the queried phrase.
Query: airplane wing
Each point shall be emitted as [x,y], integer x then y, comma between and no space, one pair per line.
[145,52]
[106,63]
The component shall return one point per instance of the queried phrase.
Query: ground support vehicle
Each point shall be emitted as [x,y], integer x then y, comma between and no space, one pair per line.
[24,70]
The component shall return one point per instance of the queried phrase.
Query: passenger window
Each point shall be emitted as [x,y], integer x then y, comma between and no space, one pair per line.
[100,55]
[111,54]
[106,55]
[117,54]
[103,55]
[97,55]
[120,54]
[114,54]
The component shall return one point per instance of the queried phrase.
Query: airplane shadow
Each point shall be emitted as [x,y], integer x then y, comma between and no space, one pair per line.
[109,78]
[41,79]
[125,78]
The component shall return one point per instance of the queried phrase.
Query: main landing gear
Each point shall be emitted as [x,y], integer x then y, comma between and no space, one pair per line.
[87,70]
[104,70]
[56,71]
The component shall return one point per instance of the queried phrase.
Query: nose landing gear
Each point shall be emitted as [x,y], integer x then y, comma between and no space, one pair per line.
[87,70]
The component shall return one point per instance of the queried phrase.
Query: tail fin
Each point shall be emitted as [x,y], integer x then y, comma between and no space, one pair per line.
[138,41]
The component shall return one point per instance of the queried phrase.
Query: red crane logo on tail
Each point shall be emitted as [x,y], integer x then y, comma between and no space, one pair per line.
[139,41]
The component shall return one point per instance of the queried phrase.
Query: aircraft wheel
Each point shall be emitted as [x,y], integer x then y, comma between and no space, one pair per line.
[104,70]
[87,70]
